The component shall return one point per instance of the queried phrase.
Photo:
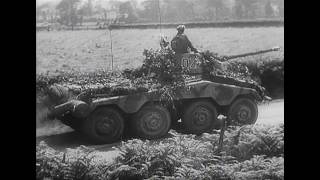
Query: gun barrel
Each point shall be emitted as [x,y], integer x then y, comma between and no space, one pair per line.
[252,53]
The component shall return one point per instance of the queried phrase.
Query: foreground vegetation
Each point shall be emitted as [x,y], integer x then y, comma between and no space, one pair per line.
[249,152]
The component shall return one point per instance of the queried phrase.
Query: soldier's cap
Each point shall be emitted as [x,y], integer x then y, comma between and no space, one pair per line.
[181,28]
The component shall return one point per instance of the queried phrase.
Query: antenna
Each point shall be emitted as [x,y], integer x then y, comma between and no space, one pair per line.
[110,34]
[159,11]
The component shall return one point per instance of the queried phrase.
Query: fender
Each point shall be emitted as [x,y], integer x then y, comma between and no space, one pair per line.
[128,104]
[78,109]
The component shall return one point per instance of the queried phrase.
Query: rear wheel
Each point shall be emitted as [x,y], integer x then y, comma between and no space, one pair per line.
[152,121]
[243,111]
[199,117]
[104,125]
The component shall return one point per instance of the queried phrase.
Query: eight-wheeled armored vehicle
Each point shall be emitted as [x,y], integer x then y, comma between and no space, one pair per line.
[198,105]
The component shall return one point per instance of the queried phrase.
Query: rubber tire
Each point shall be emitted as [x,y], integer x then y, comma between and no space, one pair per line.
[141,131]
[187,120]
[246,102]
[89,125]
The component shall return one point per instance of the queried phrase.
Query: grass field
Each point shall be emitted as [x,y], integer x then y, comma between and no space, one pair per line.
[90,50]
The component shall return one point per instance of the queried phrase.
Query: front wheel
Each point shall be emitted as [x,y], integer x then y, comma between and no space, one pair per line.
[104,125]
[152,121]
[199,117]
[243,111]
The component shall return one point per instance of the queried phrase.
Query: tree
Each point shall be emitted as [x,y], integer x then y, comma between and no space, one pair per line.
[249,7]
[89,7]
[238,10]
[86,9]
[42,11]
[268,9]
[44,15]
[127,8]
[280,4]
[215,8]
[184,10]
[150,11]
[98,9]
[178,10]
[68,12]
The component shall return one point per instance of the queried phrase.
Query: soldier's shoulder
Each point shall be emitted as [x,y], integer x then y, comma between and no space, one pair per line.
[174,38]
[184,36]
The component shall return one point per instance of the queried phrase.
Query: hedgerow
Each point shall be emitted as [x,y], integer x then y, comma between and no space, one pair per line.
[269,73]
[247,153]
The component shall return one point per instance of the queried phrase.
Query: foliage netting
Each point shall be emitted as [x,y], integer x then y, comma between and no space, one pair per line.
[160,72]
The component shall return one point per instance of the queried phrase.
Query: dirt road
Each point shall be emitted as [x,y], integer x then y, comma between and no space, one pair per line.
[270,113]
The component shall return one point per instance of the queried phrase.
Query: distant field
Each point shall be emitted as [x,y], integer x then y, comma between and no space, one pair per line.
[90,50]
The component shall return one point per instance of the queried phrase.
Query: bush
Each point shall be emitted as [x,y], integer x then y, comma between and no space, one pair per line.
[269,73]
[76,164]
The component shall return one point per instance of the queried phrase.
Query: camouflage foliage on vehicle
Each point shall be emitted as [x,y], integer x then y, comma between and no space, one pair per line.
[160,71]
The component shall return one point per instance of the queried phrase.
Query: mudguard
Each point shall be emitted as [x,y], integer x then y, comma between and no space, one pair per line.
[78,109]
[222,94]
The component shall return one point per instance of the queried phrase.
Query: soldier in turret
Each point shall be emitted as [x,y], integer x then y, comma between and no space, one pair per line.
[180,43]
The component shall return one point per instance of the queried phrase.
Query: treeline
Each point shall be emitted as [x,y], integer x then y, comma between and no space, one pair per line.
[75,12]
[235,23]
[209,10]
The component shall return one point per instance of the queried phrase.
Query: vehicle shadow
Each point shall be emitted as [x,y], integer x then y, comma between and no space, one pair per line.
[65,140]
[75,139]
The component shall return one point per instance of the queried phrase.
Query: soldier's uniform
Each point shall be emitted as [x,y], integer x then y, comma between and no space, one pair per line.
[180,44]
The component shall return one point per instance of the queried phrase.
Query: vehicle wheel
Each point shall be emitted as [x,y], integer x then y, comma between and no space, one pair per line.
[152,121]
[104,125]
[199,117]
[243,111]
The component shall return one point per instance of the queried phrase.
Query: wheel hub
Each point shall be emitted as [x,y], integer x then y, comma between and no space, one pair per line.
[152,121]
[244,114]
[105,126]
[200,116]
